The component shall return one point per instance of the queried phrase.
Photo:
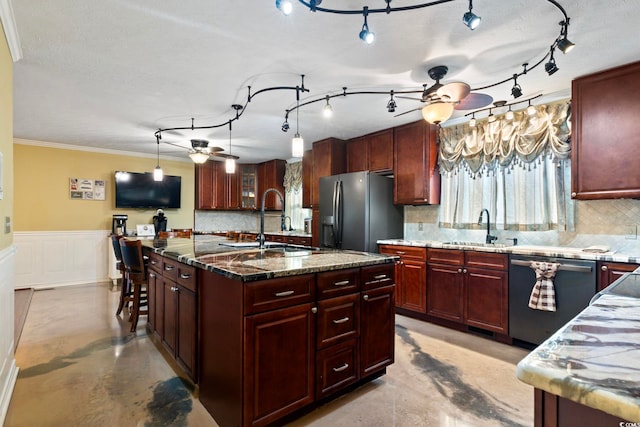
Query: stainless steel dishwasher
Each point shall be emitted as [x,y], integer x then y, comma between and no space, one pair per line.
[574,283]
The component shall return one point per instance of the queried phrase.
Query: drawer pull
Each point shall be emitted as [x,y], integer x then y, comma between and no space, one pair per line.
[400,252]
[341,283]
[154,262]
[168,267]
[343,320]
[152,275]
[365,297]
[185,276]
[341,368]
[380,276]
[284,293]
[174,288]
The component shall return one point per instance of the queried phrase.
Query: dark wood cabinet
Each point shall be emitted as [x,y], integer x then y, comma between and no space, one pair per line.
[605,142]
[307,177]
[469,287]
[551,410]
[329,158]
[247,183]
[271,175]
[609,272]
[279,363]
[415,172]
[372,152]
[411,277]
[215,188]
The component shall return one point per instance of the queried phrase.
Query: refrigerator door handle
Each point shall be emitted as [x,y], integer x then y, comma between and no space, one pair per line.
[338,215]
[334,209]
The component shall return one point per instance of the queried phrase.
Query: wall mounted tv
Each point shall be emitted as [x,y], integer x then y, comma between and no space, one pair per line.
[139,190]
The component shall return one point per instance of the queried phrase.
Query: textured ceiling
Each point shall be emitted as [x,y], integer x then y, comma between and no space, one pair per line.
[108,74]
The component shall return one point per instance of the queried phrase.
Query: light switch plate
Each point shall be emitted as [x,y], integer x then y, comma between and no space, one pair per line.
[7,224]
[420,226]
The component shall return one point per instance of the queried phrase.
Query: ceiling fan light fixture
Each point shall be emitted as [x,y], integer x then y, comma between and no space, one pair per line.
[437,112]
[199,157]
[285,6]
[470,19]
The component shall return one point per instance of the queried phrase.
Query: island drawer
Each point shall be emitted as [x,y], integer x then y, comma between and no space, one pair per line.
[377,275]
[187,276]
[338,282]
[155,261]
[336,368]
[265,295]
[170,269]
[337,320]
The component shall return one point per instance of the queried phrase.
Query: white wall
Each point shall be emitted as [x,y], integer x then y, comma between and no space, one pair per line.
[8,369]
[59,258]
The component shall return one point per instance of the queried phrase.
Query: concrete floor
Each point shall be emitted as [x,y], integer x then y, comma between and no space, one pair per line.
[80,366]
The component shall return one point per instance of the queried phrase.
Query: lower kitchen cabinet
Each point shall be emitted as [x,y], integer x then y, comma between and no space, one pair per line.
[411,277]
[469,287]
[609,272]
[377,329]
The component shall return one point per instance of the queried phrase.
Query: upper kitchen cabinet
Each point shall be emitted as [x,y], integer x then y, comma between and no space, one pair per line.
[372,152]
[415,154]
[215,189]
[248,183]
[271,175]
[307,177]
[328,159]
[606,142]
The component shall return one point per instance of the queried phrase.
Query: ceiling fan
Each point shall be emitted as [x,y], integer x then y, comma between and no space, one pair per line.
[442,99]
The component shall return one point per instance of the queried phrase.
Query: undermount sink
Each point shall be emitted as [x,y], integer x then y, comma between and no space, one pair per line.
[252,244]
[477,244]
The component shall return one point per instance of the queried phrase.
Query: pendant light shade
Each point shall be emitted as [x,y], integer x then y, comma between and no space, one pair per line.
[230,166]
[157,172]
[437,112]
[297,146]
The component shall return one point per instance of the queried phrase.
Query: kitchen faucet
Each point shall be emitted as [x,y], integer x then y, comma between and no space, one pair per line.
[261,237]
[490,239]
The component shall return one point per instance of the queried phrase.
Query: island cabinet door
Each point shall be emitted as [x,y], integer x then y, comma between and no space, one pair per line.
[279,357]
[377,329]
[169,316]
[152,282]
[187,332]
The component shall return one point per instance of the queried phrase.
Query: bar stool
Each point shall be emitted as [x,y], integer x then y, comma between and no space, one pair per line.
[126,296]
[137,275]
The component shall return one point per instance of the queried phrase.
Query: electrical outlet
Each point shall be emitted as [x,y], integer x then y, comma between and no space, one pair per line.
[7,224]
[632,232]
[420,226]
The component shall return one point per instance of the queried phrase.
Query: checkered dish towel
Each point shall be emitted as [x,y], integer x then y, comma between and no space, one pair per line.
[543,296]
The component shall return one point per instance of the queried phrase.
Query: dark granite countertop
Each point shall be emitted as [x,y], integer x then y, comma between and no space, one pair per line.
[247,264]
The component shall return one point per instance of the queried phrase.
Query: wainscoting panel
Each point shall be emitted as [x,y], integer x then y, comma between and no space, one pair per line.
[59,258]
[8,369]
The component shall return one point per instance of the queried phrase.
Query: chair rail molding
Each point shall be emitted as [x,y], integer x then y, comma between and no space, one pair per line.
[8,368]
[47,259]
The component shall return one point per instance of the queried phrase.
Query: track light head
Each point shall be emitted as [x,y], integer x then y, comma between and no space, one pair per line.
[365,35]
[565,45]
[516,90]
[473,122]
[285,6]
[391,105]
[509,115]
[285,126]
[470,19]
[551,67]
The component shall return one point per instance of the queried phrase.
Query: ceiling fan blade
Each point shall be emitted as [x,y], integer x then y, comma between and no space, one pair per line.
[407,112]
[473,101]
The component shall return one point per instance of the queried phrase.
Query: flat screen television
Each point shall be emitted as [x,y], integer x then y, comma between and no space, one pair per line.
[139,190]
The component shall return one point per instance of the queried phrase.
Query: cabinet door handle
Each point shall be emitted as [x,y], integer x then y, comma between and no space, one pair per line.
[154,262]
[153,275]
[314,310]
[365,297]
[174,288]
[284,293]
[604,268]
[380,276]
[341,283]
[343,320]
[168,267]
[185,276]
[459,270]
[341,368]
[464,270]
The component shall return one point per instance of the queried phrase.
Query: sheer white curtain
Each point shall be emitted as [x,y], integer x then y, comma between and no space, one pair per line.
[293,195]
[519,170]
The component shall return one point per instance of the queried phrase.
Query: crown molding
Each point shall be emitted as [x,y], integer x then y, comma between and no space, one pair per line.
[10,29]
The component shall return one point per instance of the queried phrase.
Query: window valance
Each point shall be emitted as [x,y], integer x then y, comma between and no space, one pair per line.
[507,143]
[293,177]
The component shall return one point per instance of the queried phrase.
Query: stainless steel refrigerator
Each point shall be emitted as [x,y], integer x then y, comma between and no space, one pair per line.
[356,210]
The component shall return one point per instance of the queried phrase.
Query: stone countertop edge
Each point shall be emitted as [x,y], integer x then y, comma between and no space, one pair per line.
[549,251]
[594,359]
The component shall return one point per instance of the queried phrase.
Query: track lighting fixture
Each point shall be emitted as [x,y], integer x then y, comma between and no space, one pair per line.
[285,126]
[391,105]
[491,117]
[365,35]
[285,6]
[472,122]
[509,115]
[516,90]
[230,161]
[327,111]
[551,67]
[564,44]
[531,110]
[470,19]
[158,175]
[297,143]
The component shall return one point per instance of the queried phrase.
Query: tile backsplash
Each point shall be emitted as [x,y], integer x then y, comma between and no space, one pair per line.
[235,221]
[612,223]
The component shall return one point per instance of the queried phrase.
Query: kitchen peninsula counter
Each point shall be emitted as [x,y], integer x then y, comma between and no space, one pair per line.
[594,362]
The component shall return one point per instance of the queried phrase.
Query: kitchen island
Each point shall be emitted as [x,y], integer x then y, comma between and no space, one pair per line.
[588,373]
[268,334]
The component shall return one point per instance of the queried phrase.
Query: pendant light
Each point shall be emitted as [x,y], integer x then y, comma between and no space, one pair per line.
[230,162]
[297,143]
[157,172]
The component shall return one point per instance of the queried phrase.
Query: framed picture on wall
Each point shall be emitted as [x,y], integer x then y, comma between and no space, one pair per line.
[86,189]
